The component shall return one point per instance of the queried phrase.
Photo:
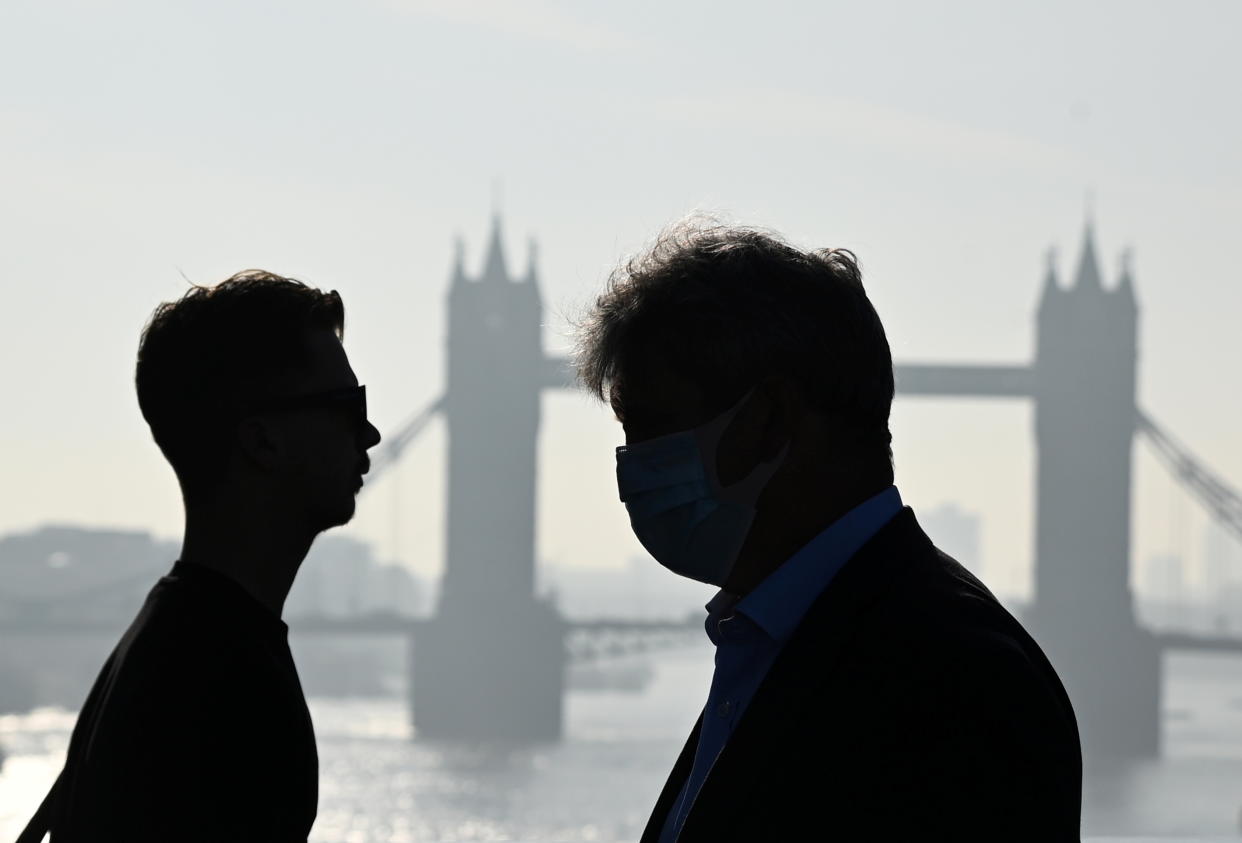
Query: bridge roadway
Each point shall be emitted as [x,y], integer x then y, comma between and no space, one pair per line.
[390,624]
[585,640]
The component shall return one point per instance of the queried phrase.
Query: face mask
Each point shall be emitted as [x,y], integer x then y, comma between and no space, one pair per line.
[682,515]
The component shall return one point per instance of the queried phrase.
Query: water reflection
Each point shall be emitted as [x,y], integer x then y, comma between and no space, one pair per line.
[378,784]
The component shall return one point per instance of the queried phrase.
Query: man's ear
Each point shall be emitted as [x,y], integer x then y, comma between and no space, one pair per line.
[782,407]
[260,442]
[762,427]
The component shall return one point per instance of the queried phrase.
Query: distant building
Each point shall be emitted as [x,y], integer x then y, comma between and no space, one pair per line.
[80,572]
[642,589]
[77,573]
[645,589]
[63,573]
[86,573]
[1222,565]
[1165,578]
[1163,599]
[341,577]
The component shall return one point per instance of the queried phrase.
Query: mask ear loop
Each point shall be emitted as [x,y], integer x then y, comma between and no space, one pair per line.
[745,491]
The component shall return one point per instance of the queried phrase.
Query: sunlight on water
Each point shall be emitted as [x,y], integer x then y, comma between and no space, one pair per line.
[35,744]
[376,784]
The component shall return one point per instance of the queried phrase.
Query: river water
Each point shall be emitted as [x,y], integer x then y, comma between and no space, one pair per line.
[377,784]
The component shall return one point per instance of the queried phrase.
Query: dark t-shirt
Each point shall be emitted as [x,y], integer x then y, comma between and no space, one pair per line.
[196,729]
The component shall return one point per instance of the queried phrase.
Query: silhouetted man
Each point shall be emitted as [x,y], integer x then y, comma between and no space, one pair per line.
[867,686]
[197,729]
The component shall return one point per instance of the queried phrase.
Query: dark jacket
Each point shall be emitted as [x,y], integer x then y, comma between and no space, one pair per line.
[908,705]
[195,730]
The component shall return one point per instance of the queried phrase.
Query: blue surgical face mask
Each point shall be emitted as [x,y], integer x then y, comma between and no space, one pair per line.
[682,515]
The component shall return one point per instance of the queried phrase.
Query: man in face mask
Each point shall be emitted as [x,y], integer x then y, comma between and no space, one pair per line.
[866,685]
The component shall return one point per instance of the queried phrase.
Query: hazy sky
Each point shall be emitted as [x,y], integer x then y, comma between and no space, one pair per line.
[948,144]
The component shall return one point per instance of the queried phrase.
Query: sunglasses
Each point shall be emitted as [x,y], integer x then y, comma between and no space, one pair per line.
[352,399]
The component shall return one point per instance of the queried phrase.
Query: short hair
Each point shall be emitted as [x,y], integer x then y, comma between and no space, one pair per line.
[725,306]
[205,356]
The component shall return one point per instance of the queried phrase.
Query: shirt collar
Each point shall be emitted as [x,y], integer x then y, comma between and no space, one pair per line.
[718,608]
[778,604]
[227,593]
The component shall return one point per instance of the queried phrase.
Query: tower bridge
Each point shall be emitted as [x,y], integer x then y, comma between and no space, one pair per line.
[1082,380]
[490,663]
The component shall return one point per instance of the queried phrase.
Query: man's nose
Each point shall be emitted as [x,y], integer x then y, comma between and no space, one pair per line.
[371,435]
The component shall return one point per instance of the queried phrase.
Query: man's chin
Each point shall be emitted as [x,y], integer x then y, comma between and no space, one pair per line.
[339,516]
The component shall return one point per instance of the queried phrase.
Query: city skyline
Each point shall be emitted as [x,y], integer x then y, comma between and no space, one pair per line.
[950,183]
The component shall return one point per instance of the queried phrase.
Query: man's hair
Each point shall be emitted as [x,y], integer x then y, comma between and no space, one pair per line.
[724,306]
[204,357]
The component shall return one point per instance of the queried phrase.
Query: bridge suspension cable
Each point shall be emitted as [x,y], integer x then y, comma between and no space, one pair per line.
[1222,501]
[392,447]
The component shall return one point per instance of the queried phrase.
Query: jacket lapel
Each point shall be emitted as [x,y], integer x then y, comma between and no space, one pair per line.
[805,665]
[672,787]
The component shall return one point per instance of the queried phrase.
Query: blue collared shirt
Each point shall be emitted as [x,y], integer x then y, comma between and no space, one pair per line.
[750,633]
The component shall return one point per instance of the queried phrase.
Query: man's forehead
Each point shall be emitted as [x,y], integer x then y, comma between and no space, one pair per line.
[645,391]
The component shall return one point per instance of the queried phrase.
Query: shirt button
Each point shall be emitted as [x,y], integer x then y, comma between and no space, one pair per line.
[724,709]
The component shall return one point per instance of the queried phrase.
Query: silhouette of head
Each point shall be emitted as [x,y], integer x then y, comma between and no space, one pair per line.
[711,316]
[722,309]
[250,395]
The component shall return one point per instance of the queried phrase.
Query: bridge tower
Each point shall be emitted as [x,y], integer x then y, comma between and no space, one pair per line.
[1085,417]
[490,665]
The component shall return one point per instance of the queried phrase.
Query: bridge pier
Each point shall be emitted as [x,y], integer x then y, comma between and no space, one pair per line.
[1085,418]
[1114,673]
[498,681]
[491,664]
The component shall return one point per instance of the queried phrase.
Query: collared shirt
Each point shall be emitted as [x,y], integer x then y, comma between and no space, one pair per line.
[749,633]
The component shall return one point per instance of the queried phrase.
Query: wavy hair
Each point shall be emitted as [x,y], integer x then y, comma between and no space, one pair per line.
[724,306]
